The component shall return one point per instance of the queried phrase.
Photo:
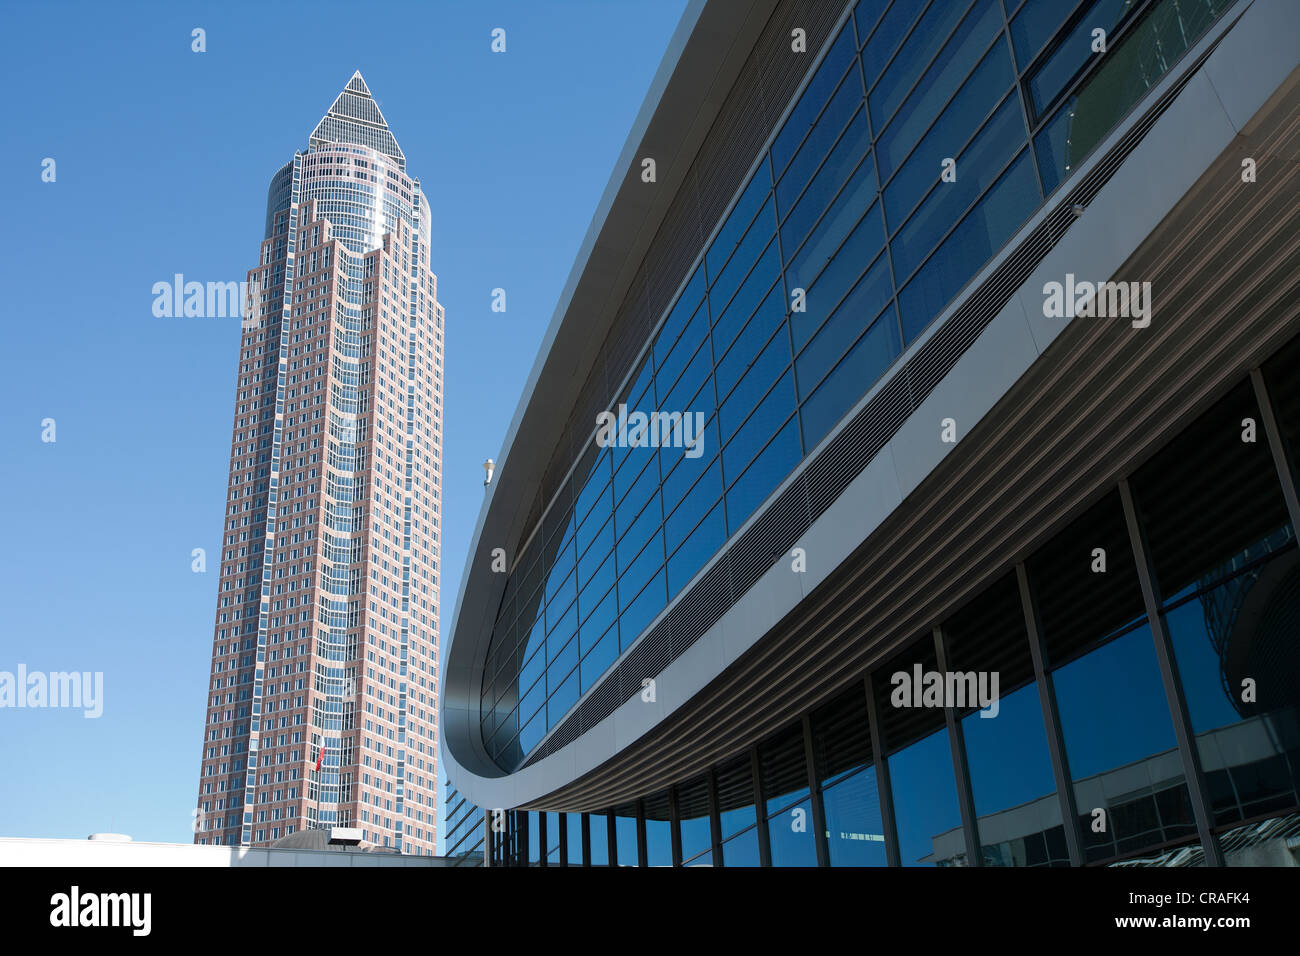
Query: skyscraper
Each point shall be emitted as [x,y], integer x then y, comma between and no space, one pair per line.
[322,702]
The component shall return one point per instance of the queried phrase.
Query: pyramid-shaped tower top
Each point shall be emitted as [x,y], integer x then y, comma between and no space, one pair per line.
[355,118]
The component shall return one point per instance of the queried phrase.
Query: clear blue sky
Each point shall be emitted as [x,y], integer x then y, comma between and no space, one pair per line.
[163,161]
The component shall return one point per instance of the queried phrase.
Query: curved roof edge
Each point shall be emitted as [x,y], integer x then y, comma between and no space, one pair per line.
[704,57]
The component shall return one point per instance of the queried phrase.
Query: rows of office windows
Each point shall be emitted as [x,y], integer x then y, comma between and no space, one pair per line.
[838,252]
[1075,757]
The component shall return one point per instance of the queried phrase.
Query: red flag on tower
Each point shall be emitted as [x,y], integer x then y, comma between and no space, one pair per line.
[320,755]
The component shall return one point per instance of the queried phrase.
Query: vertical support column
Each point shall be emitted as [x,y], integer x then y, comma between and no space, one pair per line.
[1173,687]
[675,826]
[586,839]
[760,811]
[611,838]
[1275,445]
[563,823]
[1051,721]
[715,822]
[882,779]
[541,839]
[957,744]
[815,796]
[489,838]
[642,850]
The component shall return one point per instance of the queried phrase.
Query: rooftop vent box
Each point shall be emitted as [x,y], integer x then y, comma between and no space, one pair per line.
[345,836]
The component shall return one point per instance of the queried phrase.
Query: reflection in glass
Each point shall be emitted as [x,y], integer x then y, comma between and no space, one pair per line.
[693,820]
[1018,814]
[625,835]
[658,830]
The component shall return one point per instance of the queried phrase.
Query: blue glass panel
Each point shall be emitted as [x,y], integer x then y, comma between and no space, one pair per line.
[563,662]
[1073,52]
[642,566]
[682,311]
[834,338]
[843,105]
[693,507]
[742,214]
[842,162]
[1015,811]
[741,850]
[1035,23]
[703,543]
[977,166]
[1131,67]
[955,125]
[642,610]
[534,701]
[790,836]
[688,387]
[563,698]
[536,636]
[725,286]
[1052,144]
[840,275]
[774,359]
[599,659]
[830,233]
[918,49]
[684,471]
[969,247]
[766,322]
[1131,738]
[598,828]
[687,348]
[768,470]
[885,38]
[814,97]
[731,321]
[593,528]
[594,589]
[532,670]
[855,834]
[850,380]
[599,618]
[630,545]
[642,488]
[625,825]
[693,820]
[658,832]
[563,630]
[573,838]
[770,414]
[634,463]
[564,596]
[594,484]
[955,63]
[560,568]
[925,803]
[640,384]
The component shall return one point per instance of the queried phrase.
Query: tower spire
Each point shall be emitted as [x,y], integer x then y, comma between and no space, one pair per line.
[356,118]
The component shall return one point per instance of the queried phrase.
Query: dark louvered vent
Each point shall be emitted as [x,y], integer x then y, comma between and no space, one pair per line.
[781,523]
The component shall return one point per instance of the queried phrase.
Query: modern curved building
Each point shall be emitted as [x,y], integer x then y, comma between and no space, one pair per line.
[908,475]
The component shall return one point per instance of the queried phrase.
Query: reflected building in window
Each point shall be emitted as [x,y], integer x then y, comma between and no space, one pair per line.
[945,575]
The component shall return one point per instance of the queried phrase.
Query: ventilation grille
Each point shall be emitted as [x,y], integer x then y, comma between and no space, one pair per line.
[781,522]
